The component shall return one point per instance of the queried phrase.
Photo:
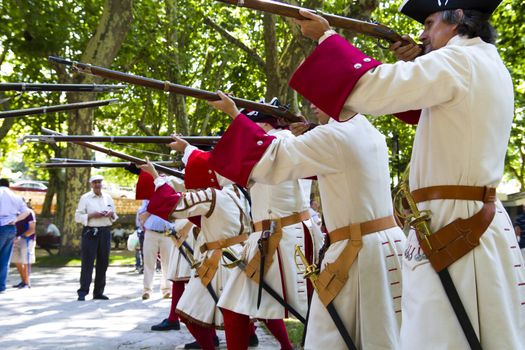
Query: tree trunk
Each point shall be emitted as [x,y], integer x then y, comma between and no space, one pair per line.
[272,70]
[176,102]
[101,50]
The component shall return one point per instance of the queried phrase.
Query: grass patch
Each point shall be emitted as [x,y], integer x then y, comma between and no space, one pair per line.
[294,328]
[295,331]
[116,258]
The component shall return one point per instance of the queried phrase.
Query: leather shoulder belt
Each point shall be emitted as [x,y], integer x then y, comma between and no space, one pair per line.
[456,239]
[334,276]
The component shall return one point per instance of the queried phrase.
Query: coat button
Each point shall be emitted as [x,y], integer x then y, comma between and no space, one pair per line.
[367,59]
[212,180]
[357,65]
[259,143]
[209,171]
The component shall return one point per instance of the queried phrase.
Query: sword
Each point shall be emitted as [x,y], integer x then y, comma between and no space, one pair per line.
[420,221]
[228,254]
[187,253]
[312,272]
[263,249]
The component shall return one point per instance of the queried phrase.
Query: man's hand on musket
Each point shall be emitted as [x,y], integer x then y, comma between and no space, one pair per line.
[178,145]
[299,128]
[225,104]
[149,168]
[313,26]
[406,52]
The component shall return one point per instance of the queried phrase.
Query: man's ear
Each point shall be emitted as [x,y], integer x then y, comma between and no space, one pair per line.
[459,15]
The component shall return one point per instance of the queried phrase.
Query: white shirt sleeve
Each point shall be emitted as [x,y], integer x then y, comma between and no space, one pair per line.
[81,214]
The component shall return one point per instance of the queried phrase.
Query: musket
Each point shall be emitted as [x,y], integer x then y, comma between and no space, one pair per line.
[83,165]
[56,108]
[375,30]
[312,272]
[235,262]
[89,164]
[279,112]
[194,140]
[71,160]
[120,155]
[60,87]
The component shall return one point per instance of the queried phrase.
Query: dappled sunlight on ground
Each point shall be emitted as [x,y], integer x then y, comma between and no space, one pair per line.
[48,316]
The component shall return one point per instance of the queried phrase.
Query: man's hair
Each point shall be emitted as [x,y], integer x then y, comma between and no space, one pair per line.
[472,24]
[4,182]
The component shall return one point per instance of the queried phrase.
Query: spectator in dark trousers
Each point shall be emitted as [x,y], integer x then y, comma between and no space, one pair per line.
[96,211]
[12,209]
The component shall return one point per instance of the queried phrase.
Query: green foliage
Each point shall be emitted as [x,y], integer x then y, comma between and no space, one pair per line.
[182,43]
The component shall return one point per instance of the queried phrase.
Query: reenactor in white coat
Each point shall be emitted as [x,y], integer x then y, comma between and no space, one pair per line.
[466,98]
[224,223]
[360,276]
[285,202]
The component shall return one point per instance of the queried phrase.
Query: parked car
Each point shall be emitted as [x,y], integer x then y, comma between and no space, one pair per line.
[116,191]
[29,185]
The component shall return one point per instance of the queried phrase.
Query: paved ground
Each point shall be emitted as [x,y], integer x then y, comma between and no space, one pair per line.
[48,316]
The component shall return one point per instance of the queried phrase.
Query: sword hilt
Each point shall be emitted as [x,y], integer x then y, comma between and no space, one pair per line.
[311,271]
[193,263]
[230,255]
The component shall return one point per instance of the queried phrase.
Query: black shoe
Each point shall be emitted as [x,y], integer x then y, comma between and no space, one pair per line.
[100,297]
[19,284]
[81,298]
[166,325]
[253,341]
[23,285]
[196,345]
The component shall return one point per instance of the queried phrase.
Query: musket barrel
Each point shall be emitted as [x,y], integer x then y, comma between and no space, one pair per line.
[176,88]
[84,165]
[200,140]
[120,155]
[59,87]
[55,108]
[76,161]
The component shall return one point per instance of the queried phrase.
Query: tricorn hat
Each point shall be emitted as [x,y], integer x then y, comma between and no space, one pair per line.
[421,9]
[259,117]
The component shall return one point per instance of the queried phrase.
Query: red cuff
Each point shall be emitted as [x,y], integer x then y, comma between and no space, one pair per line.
[145,186]
[239,150]
[327,77]
[163,200]
[409,117]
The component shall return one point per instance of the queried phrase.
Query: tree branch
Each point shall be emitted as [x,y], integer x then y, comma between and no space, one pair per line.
[230,38]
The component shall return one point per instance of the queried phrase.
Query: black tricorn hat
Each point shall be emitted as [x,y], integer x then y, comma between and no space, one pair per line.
[259,117]
[421,9]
